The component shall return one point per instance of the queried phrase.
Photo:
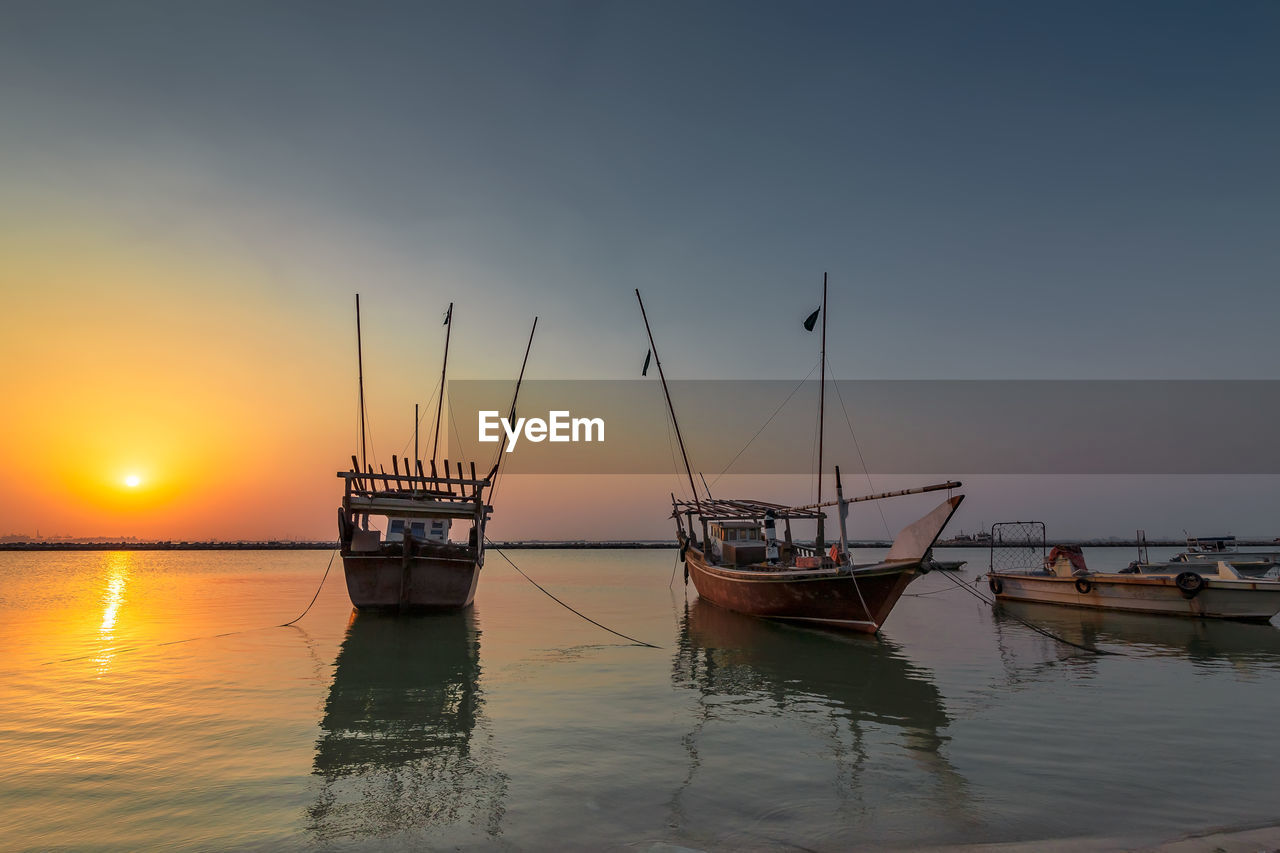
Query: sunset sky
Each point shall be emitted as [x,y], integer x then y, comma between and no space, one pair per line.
[191,194]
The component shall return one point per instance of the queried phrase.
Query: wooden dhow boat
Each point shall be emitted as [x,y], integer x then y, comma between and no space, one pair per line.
[395,531]
[739,563]
[412,564]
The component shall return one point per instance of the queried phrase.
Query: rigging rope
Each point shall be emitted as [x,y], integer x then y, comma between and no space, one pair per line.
[422,413]
[565,606]
[858,447]
[853,573]
[766,423]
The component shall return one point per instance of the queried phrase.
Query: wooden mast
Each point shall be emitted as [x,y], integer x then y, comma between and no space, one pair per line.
[435,441]
[936,487]
[822,393]
[688,469]
[360,367]
[416,457]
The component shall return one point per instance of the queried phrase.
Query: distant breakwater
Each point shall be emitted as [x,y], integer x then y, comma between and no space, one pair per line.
[577,545]
[125,545]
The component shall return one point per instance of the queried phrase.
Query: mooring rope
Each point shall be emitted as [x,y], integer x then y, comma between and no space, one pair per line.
[923,594]
[317,595]
[493,547]
[1036,628]
[100,652]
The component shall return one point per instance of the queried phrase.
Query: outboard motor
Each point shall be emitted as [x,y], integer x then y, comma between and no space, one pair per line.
[770,539]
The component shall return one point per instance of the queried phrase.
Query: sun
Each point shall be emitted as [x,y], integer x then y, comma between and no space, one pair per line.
[133,481]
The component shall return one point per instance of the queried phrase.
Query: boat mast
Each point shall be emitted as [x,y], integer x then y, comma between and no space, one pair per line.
[360,369]
[497,462]
[519,379]
[822,395]
[440,405]
[416,457]
[688,469]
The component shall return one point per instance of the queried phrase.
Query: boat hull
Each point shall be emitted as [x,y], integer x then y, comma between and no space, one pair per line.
[1219,599]
[417,583]
[828,597]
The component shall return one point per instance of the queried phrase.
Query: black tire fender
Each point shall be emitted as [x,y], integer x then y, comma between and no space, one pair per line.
[1083,586]
[1190,584]
[684,549]
[997,586]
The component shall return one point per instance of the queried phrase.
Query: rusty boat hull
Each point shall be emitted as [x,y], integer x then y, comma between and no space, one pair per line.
[828,597]
[846,597]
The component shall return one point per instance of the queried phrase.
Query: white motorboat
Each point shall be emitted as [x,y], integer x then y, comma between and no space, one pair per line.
[1216,591]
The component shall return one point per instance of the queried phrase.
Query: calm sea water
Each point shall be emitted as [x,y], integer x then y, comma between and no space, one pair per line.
[518,725]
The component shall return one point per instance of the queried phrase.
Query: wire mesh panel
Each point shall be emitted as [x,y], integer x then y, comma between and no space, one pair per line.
[1017,546]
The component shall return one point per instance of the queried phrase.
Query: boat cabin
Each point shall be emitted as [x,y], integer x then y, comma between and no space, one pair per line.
[418,510]
[736,531]
[737,543]
[420,529]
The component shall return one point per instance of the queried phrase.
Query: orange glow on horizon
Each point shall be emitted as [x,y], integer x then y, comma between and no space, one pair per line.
[233,410]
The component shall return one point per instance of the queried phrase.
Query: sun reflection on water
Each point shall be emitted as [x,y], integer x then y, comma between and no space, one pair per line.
[116,581]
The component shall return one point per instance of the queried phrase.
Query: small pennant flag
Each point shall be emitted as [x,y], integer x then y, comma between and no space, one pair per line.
[647,356]
[448,315]
[813,318]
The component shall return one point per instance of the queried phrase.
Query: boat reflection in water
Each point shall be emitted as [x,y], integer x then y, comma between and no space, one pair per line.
[861,694]
[1204,641]
[404,747]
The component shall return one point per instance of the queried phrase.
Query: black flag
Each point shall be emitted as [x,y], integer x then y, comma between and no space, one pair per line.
[813,318]
[448,315]
[647,356]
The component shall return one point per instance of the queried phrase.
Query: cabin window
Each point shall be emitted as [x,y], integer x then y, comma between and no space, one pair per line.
[419,529]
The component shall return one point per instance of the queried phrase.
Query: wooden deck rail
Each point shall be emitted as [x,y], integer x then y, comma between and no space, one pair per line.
[366,483]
